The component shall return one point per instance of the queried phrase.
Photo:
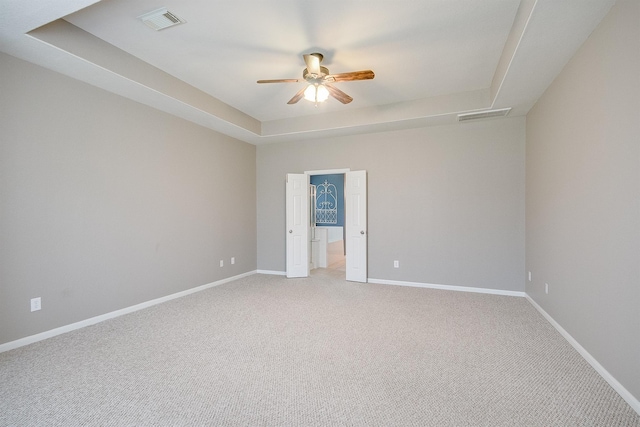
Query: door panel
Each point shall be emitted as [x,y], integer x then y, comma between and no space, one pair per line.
[356,225]
[297,221]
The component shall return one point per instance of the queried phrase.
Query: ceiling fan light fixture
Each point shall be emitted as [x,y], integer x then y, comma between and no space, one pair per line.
[316,93]
[322,94]
[310,93]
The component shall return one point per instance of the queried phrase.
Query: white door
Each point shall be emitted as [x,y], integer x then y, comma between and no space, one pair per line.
[356,225]
[297,220]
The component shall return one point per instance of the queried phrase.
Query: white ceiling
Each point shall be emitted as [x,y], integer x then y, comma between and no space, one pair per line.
[433,59]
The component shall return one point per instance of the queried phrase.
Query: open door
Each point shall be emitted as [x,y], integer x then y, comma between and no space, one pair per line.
[297,220]
[356,225]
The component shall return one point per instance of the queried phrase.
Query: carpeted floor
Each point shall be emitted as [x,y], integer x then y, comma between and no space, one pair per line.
[267,351]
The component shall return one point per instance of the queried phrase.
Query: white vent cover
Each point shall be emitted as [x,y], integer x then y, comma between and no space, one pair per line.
[160,19]
[483,114]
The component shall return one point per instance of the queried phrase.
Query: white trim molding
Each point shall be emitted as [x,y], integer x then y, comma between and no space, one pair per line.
[97,319]
[448,287]
[328,171]
[615,384]
[272,272]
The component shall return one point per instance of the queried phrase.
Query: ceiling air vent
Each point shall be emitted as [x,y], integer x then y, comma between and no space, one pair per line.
[160,19]
[483,114]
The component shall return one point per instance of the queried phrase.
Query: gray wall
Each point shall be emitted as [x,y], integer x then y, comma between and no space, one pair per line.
[583,196]
[447,201]
[106,203]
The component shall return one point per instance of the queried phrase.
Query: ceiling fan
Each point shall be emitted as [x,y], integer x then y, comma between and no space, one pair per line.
[319,79]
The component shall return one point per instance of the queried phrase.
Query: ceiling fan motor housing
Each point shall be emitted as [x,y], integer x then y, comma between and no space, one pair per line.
[313,78]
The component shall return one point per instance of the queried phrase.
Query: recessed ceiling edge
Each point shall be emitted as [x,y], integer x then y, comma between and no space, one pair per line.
[483,114]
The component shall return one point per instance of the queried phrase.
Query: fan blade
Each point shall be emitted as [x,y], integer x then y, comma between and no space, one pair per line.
[313,64]
[279,81]
[349,77]
[338,94]
[298,96]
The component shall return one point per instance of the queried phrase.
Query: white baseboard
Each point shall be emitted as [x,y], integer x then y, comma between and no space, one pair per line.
[448,287]
[619,388]
[97,319]
[272,272]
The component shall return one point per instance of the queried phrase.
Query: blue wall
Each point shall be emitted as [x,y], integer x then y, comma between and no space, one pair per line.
[338,181]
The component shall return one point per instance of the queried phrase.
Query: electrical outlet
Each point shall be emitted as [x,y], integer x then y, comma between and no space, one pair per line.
[221,263]
[36,304]
[546,288]
[529,276]
[233,260]
[396,264]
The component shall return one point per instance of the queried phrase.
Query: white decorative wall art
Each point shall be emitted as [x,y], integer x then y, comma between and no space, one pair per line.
[326,203]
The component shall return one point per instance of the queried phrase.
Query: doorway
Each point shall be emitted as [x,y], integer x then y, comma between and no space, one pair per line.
[328,248]
[299,227]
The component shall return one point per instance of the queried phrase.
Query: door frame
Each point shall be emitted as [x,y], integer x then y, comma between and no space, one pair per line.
[343,171]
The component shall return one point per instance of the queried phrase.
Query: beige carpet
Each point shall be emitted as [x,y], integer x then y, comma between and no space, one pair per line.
[267,351]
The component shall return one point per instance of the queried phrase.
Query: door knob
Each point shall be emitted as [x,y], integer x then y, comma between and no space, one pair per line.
[290,231]
[362,232]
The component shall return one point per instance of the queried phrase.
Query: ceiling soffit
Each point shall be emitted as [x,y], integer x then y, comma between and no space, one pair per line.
[530,58]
